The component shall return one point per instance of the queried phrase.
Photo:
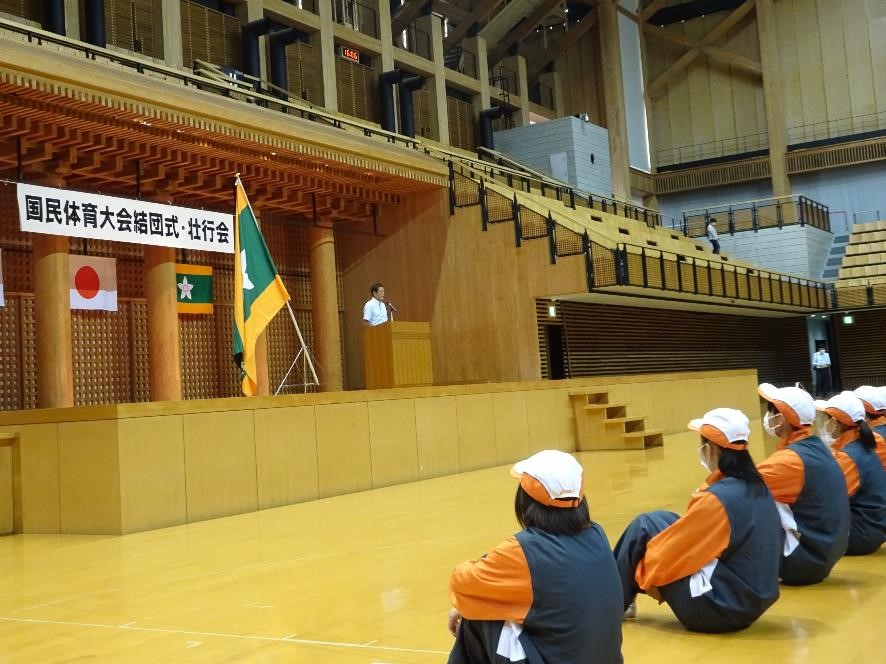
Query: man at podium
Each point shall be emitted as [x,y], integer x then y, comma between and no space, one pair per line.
[375,311]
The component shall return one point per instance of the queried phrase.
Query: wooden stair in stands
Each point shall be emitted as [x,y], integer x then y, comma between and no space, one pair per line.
[601,425]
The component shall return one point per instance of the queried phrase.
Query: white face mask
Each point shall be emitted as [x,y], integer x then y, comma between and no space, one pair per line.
[771,422]
[702,458]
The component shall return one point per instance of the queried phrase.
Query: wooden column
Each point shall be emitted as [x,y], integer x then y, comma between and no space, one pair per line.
[72,19]
[324,42]
[615,99]
[517,63]
[781,185]
[52,308]
[385,36]
[433,25]
[171,17]
[324,308]
[477,46]
[164,351]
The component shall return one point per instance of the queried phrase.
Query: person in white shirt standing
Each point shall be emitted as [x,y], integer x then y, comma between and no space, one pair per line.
[821,363]
[712,235]
[375,311]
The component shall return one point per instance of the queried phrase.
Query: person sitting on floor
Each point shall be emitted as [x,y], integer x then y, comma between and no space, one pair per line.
[717,565]
[855,448]
[551,592]
[808,486]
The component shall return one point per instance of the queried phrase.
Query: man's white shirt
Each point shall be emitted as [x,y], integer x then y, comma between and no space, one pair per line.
[375,312]
[821,360]
[712,232]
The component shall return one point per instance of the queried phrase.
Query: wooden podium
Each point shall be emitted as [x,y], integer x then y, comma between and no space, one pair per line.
[397,354]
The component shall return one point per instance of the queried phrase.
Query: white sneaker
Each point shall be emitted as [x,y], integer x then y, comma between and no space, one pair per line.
[631,611]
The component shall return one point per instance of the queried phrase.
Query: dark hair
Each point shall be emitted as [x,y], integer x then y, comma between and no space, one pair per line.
[374,287]
[554,520]
[740,465]
[865,435]
[771,408]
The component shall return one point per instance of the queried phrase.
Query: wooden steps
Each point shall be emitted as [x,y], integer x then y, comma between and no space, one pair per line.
[601,425]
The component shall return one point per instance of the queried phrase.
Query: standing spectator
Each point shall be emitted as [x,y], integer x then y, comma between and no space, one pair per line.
[712,235]
[821,363]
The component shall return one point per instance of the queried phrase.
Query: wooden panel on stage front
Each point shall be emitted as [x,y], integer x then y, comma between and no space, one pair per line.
[392,437]
[436,430]
[476,431]
[343,463]
[38,452]
[7,524]
[397,354]
[89,477]
[511,427]
[152,473]
[220,464]
[550,421]
[286,456]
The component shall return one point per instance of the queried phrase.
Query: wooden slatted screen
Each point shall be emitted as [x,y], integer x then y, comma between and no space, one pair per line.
[130,24]
[302,72]
[862,349]
[421,113]
[614,340]
[211,36]
[357,89]
[462,124]
[28,9]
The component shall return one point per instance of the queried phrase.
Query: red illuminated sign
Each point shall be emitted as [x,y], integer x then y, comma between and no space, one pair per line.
[349,53]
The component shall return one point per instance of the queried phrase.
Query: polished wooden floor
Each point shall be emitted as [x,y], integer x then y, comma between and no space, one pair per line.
[362,578]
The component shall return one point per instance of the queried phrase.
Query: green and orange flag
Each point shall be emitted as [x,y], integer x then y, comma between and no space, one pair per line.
[259,292]
[193,288]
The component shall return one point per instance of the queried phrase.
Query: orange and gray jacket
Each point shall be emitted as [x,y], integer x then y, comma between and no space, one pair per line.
[734,523]
[865,476]
[563,589]
[805,477]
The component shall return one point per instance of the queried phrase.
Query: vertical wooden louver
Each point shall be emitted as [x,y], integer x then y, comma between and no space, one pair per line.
[129,24]
[210,36]
[31,10]
[357,90]
[301,70]
[462,124]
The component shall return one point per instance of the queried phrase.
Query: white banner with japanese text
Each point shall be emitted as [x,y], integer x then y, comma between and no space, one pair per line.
[96,217]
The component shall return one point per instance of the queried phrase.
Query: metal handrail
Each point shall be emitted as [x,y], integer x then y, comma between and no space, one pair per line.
[712,149]
[838,127]
[752,215]
[411,38]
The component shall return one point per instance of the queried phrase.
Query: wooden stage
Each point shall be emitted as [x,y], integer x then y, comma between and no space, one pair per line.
[362,578]
[124,468]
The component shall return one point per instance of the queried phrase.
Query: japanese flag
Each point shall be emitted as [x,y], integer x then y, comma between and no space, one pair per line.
[93,282]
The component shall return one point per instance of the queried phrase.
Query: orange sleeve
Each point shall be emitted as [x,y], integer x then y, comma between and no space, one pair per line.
[785,475]
[881,449]
[687,545]
[496,587]
[850,471]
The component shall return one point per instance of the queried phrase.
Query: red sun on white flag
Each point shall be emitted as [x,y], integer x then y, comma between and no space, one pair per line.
[93,283]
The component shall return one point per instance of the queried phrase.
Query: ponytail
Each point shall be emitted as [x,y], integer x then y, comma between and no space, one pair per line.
[865,435]
[740,465]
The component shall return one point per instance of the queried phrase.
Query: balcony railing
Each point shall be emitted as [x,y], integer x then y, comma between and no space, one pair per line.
[858,125]
[757,215]
[412,39]
[505,80]
[356,16]
[307,5]
[460,60]
[725,147]
[542,94]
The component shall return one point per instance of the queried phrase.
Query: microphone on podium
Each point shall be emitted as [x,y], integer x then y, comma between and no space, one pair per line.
[393,308]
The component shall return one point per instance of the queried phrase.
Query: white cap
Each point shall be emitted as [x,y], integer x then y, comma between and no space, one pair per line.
[795,404]
[873,398]
[725,427]
[549,475]
[845,407]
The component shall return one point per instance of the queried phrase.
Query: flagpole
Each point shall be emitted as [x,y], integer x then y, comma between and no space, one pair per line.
[304,346]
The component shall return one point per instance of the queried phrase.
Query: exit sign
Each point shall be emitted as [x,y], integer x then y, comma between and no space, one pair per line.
[349,53]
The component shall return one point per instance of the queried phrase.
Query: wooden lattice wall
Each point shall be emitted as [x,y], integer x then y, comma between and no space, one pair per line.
[111,348]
